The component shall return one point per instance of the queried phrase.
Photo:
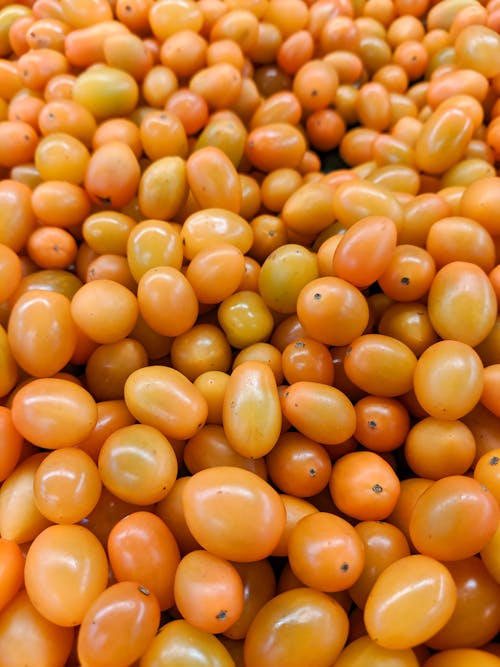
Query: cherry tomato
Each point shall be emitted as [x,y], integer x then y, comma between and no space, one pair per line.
[409,583]
[251,413]
[66,570]
[119,625]
[214,501]
[142,548]
[454,518]
[317,620]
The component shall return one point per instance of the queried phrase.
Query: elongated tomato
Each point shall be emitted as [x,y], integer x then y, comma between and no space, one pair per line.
[319,411]
[213,179]
[443,140]
[164,398]
[251,413]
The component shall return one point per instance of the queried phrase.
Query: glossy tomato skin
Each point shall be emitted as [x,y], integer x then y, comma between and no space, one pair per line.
[178,643]
[364,651]
[251,413]
[162,397]
[48,644]
[454,518]
[215,501]
[462,304]
[442,368]
[142,548]
[37,414]
[118,626]
[66,570]
[413,582]
[319,411]
[42,334]
[317,621]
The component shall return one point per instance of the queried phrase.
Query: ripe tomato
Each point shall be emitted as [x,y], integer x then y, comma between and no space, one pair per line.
[49,644]
[442,369]
[325,552]
[319,411]
[176,642]
[138,464]
[364,486]
[208,591]
[118,626]
[317,620]
[412,582]
[215,499]
[454,518]
[66,570]
[163,398]
[251,412]
[142,548]
[37,415]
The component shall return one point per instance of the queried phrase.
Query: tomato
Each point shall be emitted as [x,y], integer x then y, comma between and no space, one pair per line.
[142,548]
[441,369]
[163,398]
[382,423]
[325,552]
[37,415]
[436,448]
[285,272]
[12,571]
[41,332]
[383,544]
[178,643]
[215,499]
[380,365]
[106,91]
[412,582]
[138,464]
[461,658]
[317,620]
[298,466]
[9,369]
[355,260]
[118,626]
[331,299]
[476,618]
[67,485]
[251,413]
[364,649]
[93,310]
[454,518]
[208,591]
[215,225]
[49,644]
[11,443]
[20,519]
[245,318]
[66,569]
[458,314]
[320,412]
[225,188]
[364,486]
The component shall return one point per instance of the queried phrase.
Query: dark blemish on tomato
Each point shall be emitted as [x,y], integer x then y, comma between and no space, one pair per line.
[405,280]
[221,616]
[312,472]
[494,461]
[344,567]
[317,296]
[377,488]
[143,590]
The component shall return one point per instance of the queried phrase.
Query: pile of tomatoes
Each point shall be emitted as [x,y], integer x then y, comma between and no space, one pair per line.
[249,403]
